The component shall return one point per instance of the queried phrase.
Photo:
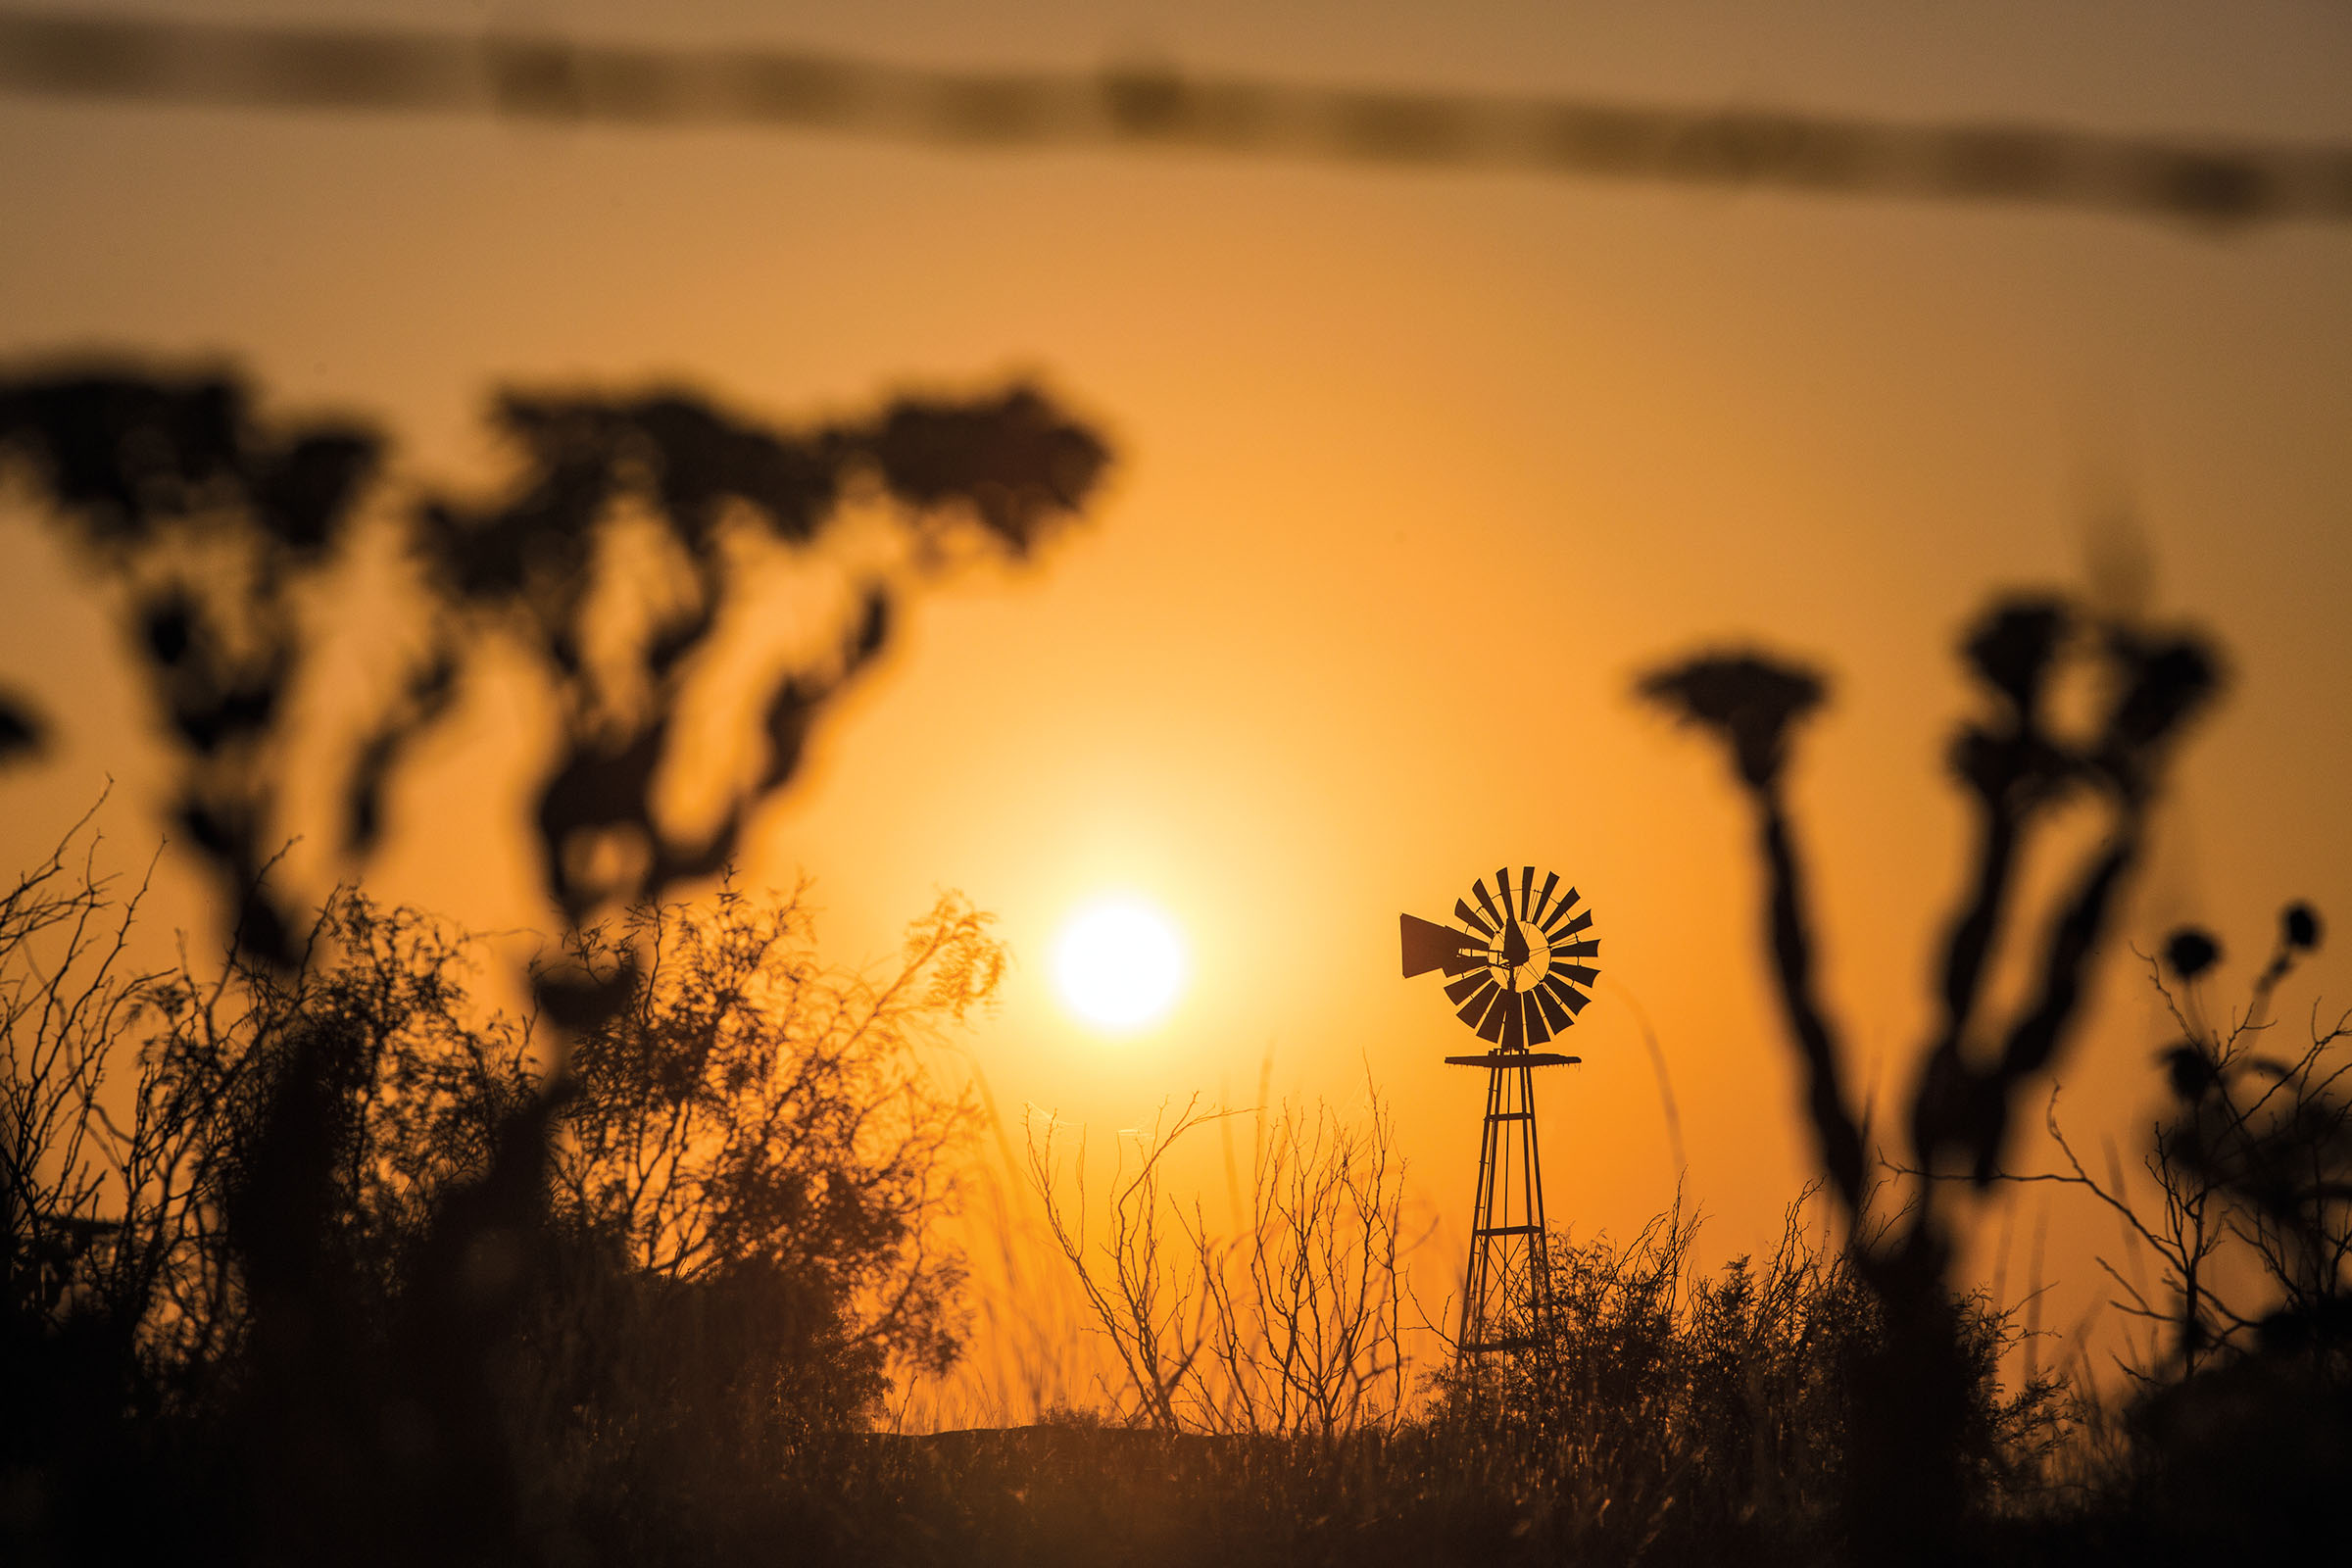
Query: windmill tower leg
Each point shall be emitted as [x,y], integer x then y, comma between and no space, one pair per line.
[1507,1293]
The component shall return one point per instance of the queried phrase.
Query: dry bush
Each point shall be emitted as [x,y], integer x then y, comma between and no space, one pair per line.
[398,1296]
[76,1182]
[2251,1167]
[1662,1404]
[753,1107]
[1294,1325]
[2233,1429]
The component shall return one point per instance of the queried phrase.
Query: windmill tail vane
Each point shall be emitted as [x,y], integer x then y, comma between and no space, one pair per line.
[1519,967]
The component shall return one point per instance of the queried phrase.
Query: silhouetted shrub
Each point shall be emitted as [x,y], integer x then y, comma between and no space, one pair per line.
[1668,1416]
[2235,1430]
[418,1300]
[1663,1411]
[1292,1326]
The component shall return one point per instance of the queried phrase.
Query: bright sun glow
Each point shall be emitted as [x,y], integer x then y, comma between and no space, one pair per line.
[1119,964]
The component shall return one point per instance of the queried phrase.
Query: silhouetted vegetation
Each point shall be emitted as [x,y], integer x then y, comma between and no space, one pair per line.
[299,1287]
[386,1281]
[1668,1415]
[2234,1432]
[1659,1412]
[614,562]
[2260,1165]
[306,1298]
[1690,1416]
[1294,1326]
[336,1275]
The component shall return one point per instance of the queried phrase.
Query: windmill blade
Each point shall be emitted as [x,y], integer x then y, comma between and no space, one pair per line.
[1471,956]
[1527,896]
[1572,927]
[1477,890]
[1490,1028]
[1472,1010]
[1469,917]
[1557,1016]
[1544,900]
[1503,891]
[1461,990]
[1538,1030]
[1567,995]
[1429,946]
[1559,910]
[1576,973]
[1587,948]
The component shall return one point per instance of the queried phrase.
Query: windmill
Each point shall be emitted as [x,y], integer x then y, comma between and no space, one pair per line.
[1519,968]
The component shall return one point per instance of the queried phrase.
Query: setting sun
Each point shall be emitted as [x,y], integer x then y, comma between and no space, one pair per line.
[1119,964]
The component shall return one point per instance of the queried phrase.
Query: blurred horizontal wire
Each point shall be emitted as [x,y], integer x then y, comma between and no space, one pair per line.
[2207,182]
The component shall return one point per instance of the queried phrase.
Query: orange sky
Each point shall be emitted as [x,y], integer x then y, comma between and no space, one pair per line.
[1415,472]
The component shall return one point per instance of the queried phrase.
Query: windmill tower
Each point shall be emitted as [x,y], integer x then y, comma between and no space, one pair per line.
[1519,968]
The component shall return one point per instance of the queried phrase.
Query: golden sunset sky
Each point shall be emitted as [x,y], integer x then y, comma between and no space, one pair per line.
[1416,470]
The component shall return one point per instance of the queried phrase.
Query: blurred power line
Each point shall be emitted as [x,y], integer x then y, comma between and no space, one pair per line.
[2209,183]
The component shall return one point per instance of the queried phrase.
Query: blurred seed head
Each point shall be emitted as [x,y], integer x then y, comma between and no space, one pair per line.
[2190,1070]
[22,734]
[2014,646]
[2163,683]
[2189,952]
[1753,700]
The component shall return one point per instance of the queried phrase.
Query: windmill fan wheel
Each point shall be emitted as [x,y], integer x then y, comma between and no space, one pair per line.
[1520,963]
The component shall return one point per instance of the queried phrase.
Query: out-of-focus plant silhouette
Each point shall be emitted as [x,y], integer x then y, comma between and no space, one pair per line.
[220,529]
[2018,763]
[22,730]
[1008,469]
[212,524]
